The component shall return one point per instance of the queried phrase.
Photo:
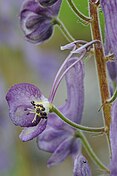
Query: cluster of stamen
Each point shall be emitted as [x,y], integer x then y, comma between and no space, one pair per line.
[39,111]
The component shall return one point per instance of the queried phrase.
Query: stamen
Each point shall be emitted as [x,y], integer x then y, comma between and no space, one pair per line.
[39,111]
[33,103]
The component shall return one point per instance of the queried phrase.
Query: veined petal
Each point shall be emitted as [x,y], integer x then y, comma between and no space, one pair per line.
[36,20]
[113,139]
[32,132]
[51,138]
[62,151]
[41,33]
[75,91]
[73,107]
[19,99]
[81,167]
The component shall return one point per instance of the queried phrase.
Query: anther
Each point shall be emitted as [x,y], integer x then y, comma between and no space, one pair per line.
[33,103]
[43,109]
[38,110]
[44,114]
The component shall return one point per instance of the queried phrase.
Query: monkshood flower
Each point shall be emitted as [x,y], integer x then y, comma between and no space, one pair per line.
[59,138]
[81,167]
[29,108]
[37,21]
[110,13]
[113,139]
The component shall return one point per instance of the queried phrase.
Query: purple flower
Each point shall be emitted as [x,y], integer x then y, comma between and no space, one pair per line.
[81,167]
[113,139]
[28,108]
[110,13]
[36,21]
[59,138]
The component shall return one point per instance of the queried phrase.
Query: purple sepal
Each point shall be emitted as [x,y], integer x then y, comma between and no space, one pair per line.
[58,137]
[110,13]
[37,21]
[32,132]
[113,139]
[19,99]
[112,69]
[49,140]
[62,151]
[81,167]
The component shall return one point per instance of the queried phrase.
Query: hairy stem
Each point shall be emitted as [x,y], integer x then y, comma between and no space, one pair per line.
[101,64]
[75,125]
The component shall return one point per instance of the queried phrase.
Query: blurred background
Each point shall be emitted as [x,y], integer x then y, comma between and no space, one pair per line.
[21,61]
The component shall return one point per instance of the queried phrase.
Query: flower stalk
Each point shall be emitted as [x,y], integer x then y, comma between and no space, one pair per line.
[63,29]
[75,125]
[91,152]
[78,13]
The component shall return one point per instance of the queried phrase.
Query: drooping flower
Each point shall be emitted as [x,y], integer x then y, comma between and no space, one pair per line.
[113,139]
[110,13]
[37,21]
[59,138]
[81,167]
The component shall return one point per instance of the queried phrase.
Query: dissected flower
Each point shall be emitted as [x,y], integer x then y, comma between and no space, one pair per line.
[110,13]
[81,167]
[113,139]
[59,138]
[29,108]
[37,21]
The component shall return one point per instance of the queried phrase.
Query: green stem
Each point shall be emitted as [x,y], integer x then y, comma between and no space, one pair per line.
[64,30]
[75,125]
[78,13]
[91,152]
[110,100]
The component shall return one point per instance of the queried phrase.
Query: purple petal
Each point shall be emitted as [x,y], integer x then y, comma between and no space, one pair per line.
[81,167]
[40,34]
[36,20]
[75,91]
[76,147]
[32,132]
[19,98]
[50,139]
[110,13]
[73,107]
[113,139]
[61,152]
[112,69]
